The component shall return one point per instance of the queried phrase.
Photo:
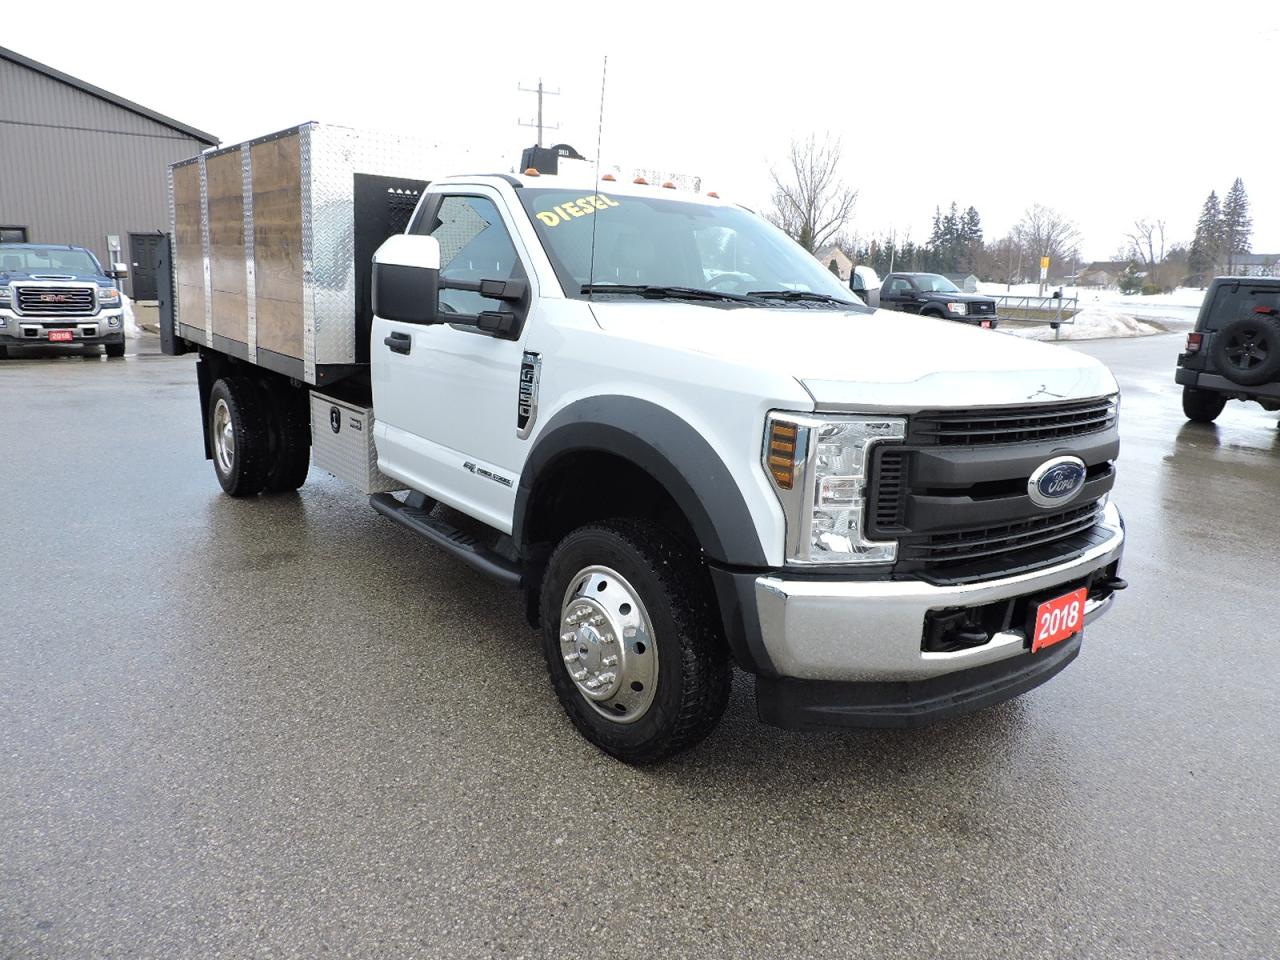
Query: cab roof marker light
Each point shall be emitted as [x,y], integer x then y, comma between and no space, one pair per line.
[713,194]
[668,185]
[609,177]
[532,172]
[641,180]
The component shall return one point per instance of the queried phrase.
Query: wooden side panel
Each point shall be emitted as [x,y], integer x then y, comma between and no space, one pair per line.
[277,244]
[225,192]
[188,254]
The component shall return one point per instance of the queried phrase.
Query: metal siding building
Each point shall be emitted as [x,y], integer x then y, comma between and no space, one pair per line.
[78,163]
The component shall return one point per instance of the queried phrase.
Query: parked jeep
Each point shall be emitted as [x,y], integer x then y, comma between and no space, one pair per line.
[931,295]
[60,295]
[1234,351]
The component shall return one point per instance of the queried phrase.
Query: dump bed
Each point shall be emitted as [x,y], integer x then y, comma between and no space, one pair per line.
[273,241]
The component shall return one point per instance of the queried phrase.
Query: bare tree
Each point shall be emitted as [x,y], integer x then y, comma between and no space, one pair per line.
[1043,232]
[1147,236]
[810,201]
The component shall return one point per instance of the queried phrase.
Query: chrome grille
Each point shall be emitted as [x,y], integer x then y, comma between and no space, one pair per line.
[1030,424]
[51,301]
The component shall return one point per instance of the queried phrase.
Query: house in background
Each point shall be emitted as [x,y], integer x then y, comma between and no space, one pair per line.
[1249,265]
[1101,273]
[967,282]
[835,261]
[79,165]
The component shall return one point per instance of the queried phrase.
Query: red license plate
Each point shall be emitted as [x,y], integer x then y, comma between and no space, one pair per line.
[1058,619]
[986,324]
[60,336]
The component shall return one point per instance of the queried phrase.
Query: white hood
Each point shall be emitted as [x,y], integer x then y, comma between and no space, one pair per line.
[886,360]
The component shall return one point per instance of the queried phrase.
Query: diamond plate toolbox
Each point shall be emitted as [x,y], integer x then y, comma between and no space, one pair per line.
[342,443]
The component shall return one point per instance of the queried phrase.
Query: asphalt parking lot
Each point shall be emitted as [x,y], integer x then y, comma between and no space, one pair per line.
[286,728]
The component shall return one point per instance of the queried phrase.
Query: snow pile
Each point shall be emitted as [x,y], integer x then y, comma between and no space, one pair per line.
[1091,323]
[131,329]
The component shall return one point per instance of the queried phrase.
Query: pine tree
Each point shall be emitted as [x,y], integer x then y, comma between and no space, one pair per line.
[1237,225]
[1206,247]
[972,226]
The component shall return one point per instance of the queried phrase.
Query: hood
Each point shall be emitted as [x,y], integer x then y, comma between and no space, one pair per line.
[961,297]
[20,276]
[880,362]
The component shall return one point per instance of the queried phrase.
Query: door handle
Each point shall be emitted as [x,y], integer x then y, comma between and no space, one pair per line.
[399,342]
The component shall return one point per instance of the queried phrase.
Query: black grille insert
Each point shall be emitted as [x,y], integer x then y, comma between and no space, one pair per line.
[1029,424]
[962,546]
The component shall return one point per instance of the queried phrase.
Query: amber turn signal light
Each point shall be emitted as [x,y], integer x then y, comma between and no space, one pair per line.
[782,453]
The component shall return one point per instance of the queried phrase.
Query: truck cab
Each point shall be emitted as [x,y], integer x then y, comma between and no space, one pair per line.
[59,295]
[688,447]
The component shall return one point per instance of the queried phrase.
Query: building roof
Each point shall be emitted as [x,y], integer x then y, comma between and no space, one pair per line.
[1251,259]
[1107,266]
[13,57]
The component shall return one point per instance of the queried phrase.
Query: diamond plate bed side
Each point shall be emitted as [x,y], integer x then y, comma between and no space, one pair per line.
[204,246]
[250,285]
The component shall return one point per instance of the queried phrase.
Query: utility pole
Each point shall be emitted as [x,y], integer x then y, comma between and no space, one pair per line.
[541,93]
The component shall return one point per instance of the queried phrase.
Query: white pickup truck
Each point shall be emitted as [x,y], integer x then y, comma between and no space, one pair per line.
[673,430]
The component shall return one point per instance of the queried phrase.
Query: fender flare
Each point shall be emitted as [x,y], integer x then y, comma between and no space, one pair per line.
[667,448]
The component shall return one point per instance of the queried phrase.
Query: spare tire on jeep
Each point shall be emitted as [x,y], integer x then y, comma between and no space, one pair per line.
[1247,350]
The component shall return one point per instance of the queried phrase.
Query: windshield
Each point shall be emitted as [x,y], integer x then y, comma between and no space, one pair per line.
[932,283]
[671,243]
[47,260]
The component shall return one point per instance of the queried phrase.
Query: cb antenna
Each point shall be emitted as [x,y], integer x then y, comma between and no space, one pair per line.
[591,270]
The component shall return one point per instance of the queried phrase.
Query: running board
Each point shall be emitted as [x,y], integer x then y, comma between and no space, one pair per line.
[464,546]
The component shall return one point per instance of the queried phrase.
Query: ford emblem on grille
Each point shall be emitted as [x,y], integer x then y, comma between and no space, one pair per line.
[1056,482]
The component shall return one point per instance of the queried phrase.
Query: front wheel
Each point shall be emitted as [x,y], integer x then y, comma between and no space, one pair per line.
[1202,406]
[114,350]
[633,644]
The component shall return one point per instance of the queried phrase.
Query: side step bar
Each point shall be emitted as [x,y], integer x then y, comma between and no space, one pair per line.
[464,546]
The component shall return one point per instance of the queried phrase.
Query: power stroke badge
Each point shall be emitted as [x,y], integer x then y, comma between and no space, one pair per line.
[527,395]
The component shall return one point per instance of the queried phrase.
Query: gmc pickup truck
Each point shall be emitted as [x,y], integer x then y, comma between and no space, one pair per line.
[54,294]
[675,434]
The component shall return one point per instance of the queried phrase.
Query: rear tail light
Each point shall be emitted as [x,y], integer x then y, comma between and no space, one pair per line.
[1194,342]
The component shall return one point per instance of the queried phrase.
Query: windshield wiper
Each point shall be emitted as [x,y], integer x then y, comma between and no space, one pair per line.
[805,295]
[655,292]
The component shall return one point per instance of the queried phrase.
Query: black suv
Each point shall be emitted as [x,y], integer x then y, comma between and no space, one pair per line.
[931,295]
[1234,351]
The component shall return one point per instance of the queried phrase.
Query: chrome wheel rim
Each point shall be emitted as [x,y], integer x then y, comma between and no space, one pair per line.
[224,437]
[606,640]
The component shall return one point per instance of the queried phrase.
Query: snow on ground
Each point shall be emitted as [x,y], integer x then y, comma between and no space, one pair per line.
[1107,313]
[131,329]
[1091,323]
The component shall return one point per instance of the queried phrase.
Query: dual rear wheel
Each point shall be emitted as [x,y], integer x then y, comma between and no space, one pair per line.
[259,435]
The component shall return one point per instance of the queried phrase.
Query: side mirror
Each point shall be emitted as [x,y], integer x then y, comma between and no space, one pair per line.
[406,279]
[119,271]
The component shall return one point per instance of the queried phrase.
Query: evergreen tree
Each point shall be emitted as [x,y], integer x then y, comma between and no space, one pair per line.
[1206,247]
[972,230]
[1237,225]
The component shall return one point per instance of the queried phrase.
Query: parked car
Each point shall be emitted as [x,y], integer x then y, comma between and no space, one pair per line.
[60,295]
[933,295]
[1234,351]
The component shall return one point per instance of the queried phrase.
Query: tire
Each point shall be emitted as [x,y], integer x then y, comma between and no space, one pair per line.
[633,580]
[291,440]
[1247,350]
[1202,406]
[4,353]
[238,436]
[114,350]
[933,314]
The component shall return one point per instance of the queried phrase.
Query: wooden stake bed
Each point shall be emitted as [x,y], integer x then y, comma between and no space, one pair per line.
[265,235]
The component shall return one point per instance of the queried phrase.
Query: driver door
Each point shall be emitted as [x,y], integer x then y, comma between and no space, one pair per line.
[445,396]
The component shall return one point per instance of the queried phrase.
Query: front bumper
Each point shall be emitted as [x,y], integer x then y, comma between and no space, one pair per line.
[105,326]
[872,630]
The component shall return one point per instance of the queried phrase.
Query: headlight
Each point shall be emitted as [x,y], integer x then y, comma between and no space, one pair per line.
[108,295]
[958,308]
[6,294]
[820,471]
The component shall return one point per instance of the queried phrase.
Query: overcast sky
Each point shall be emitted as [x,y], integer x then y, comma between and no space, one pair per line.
[1104,111]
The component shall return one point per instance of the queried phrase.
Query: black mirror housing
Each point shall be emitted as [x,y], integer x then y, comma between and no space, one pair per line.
[406,294]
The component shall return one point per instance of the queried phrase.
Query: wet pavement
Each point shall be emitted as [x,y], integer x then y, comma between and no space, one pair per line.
[287,728]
